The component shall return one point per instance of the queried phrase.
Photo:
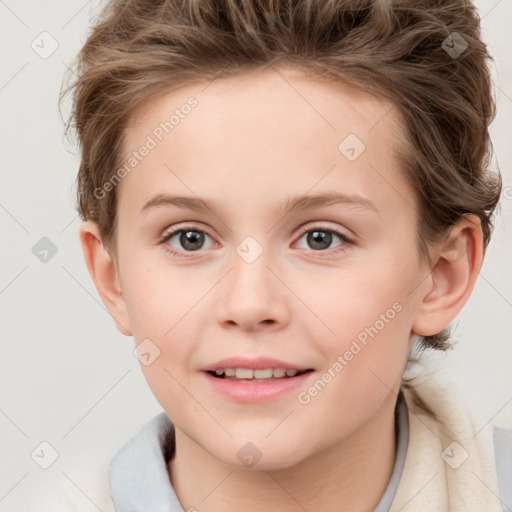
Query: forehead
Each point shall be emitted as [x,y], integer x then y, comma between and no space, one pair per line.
[271,95]
[264,128]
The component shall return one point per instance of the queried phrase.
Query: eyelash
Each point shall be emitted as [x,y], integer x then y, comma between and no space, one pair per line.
[168,236]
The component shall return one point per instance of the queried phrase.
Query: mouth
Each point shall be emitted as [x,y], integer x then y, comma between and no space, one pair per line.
[257,375]
[247,384]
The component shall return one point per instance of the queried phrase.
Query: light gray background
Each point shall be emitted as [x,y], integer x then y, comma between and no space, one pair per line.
[68,376]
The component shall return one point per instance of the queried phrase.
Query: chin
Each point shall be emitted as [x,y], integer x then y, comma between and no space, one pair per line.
[253,457]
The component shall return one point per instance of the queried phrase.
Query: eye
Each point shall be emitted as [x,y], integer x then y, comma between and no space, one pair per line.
[190,239]
[320,238]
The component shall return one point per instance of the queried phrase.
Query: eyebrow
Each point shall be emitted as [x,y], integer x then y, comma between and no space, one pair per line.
[302,202]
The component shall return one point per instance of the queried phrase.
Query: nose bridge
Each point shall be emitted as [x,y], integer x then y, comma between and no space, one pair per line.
[253,293]
[251,274]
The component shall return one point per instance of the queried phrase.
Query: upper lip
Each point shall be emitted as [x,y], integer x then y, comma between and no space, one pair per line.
[259,363]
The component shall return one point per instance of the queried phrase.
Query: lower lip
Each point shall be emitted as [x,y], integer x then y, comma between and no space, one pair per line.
[246,391]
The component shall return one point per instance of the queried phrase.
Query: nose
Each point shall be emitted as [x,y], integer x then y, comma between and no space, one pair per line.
[252,296]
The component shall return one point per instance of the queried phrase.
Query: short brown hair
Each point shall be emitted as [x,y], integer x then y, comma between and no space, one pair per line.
[426,57]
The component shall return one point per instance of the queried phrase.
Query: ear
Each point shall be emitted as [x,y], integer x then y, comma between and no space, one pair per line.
[457,262]
[105,275]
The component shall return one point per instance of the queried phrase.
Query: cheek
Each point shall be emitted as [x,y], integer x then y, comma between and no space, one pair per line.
[161,311]
[357,299]
[157,296]
[364,361]
[369,315]
[161,325]
[370,347]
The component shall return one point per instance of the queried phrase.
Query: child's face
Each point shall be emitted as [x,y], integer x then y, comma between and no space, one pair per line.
[252,143]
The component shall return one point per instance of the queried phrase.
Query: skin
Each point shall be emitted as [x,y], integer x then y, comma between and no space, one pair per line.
[253,142]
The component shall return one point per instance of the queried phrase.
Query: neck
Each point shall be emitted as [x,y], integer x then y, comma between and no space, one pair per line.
[351,475]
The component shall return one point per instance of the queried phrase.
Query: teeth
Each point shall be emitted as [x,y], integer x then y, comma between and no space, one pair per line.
[263,374]
[244,373]
[248,373]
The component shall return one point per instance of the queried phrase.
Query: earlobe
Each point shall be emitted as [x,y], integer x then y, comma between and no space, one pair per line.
[104,274]
[458,260]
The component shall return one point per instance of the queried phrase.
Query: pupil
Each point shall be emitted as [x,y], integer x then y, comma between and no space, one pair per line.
[188,238]
[319,239]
